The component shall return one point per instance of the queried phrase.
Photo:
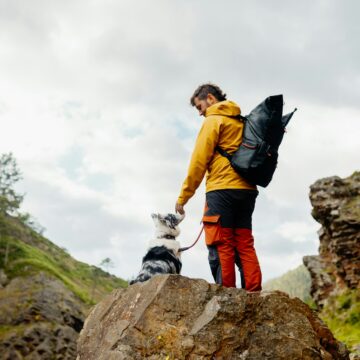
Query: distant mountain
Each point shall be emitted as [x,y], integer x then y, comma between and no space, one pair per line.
[45,294]
[295,282]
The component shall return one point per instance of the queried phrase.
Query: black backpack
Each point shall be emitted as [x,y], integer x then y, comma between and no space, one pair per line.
[264,127]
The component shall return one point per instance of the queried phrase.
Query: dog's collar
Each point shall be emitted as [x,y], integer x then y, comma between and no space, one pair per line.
[170,237]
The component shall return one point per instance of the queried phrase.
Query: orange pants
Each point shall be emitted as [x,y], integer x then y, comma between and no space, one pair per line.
[238,242]
[231,245]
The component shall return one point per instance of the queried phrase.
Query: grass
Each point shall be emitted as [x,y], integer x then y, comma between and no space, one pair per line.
[342,315]
[6,329]
[30,253]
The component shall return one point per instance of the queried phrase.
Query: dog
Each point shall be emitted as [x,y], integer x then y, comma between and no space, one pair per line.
[163,255]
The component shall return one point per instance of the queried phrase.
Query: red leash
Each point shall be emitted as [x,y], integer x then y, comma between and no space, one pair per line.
[197,239]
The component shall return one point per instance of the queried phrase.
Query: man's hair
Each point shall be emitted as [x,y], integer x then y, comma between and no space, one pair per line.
[203,90]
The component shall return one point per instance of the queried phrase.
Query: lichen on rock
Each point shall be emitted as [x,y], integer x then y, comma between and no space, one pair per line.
[336,206]
[171,316]
[335,272]
[40,318]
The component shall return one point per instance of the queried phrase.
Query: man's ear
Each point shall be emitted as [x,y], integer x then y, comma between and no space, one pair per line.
[211,99]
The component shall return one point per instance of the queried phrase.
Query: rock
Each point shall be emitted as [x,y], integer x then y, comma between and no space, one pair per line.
[39,341]
[336,206]
[41,319]
[45,294]
[323,283]
[174,317]
[40,298]
[355,354]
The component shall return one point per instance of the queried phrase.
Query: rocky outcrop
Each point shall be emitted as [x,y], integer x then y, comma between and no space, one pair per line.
[336,206]
[39,341]
[40,319]
[45,294]
[174,317]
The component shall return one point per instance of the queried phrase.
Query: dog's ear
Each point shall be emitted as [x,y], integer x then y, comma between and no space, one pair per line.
[173,220]
[156,218]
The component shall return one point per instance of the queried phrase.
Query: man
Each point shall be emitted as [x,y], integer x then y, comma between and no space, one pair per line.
[230,199]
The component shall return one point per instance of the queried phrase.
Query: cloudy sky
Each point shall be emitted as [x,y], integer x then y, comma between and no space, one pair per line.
[94,105]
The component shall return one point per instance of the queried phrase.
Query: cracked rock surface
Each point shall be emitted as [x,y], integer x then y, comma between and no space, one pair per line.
[336,206]
[39,318]
[174,317]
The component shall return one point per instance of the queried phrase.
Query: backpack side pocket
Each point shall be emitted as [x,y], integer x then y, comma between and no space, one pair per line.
[244,157]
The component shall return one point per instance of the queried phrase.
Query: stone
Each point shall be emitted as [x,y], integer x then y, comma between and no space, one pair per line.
[42,319]
[45,294]
[336,206]
[174,317]
[39,341]
[40,298]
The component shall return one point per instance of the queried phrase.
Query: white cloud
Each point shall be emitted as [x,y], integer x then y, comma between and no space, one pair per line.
[321,141]
[94,105]
[297,231]
[274,266]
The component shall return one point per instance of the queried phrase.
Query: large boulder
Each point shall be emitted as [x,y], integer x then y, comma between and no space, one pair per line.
[174,317]
[336,206]
[40,318]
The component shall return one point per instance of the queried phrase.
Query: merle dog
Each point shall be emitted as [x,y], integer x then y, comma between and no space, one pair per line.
[163,256]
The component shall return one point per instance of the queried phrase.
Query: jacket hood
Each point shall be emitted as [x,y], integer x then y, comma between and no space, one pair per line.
[225,108]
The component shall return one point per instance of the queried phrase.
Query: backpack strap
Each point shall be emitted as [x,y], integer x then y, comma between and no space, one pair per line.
[238,117]
[223,153]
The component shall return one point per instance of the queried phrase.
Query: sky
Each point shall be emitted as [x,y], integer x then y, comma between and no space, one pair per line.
[94,106]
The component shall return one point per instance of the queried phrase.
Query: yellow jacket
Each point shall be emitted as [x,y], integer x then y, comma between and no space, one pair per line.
[218,129]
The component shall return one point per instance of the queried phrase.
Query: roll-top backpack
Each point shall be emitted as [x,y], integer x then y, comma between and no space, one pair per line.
[256,158]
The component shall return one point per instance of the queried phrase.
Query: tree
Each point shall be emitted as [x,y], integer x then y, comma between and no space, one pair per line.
[31,222]
[10,174]
[95,273]
[107,263]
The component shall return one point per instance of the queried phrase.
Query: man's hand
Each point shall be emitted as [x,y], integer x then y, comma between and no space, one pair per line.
[179,209]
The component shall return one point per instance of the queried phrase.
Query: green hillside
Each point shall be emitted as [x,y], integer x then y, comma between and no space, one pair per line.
[342,315]
[295,282]
[45,294]
[24,252]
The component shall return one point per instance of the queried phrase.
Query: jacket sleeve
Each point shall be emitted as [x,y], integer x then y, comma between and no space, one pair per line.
[202,154]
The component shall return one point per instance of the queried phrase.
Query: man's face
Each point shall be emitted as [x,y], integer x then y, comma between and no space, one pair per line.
[201,105]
